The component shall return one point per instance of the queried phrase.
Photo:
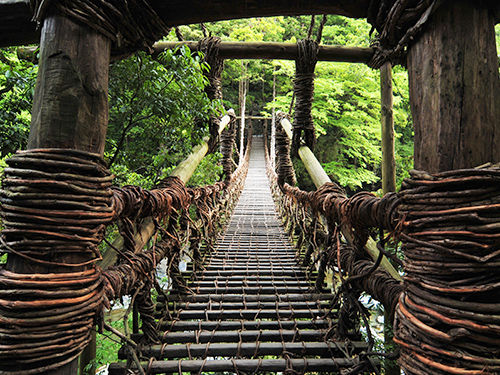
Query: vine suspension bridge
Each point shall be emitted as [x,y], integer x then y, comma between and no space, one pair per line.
[252,301]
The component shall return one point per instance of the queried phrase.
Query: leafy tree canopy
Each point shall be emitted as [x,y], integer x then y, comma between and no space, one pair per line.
[17,86]
[153,110]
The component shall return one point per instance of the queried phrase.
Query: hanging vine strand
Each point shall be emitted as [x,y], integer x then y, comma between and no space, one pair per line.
[303,88]
[210,48]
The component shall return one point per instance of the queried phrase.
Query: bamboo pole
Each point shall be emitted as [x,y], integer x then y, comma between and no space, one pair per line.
[277,51]
[319,178]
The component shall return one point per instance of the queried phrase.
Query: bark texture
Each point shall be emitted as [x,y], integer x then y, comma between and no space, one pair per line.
[70,109]
[455,89]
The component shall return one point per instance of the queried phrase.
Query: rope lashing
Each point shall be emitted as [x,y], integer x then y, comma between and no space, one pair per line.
[360,273]
[303,88]
[131,25]
[210,48]
[398,23]
[132,203]
[284,166]
[228,138]
[448,318]
[54,203]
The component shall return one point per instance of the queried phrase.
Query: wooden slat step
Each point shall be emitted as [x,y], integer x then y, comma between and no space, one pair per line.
[249,283]
[251,366]
[253,264]
[178,326]
[242,278]
[298,305]
[247,298]
[252,290]
[244,253]
[253,272]
[250,314]
[243,267]
[201,337]
[323,349]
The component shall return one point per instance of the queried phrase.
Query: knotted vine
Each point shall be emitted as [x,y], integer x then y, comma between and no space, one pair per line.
[398,23]
[131,26]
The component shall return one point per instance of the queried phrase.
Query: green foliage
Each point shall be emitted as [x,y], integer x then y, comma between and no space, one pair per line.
[153,107]
[346,111]
[17,86]
[208,172]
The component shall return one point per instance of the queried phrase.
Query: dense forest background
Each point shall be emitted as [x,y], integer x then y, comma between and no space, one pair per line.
[156,106]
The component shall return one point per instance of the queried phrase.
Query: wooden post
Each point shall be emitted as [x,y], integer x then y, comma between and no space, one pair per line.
[243,102]
[70,110]
[455,89]
[454,93]
[388,159]
[388,179]
[88,356]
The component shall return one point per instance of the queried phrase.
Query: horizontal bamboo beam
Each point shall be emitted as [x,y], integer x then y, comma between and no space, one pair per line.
[319,177]
[184,171]
[276,51]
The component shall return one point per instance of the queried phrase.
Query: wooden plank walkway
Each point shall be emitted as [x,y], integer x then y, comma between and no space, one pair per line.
[253,310]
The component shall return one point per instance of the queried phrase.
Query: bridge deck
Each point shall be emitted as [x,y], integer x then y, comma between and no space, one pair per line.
[253,309]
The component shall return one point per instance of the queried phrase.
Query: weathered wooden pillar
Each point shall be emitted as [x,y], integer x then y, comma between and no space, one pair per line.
[454,93]
[70,111]
[455,89]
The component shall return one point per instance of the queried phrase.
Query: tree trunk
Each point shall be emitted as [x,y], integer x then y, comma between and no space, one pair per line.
[70,108]
[70,111]
[455,89]
[454,93]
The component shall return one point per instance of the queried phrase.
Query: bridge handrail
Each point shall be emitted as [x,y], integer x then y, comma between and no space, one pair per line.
[184,171]
[320,177]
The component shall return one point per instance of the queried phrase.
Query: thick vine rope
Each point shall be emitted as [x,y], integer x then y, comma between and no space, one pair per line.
[303,88]
[228,138]
[284,166]
[448,320]
[131,25]
[398,23]
[55,203]
[210,48]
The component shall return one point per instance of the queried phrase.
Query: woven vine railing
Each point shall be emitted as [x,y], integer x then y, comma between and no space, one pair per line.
[56,202]
[445,313]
